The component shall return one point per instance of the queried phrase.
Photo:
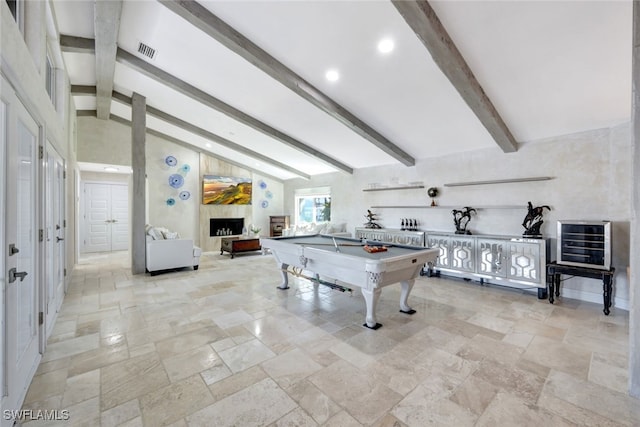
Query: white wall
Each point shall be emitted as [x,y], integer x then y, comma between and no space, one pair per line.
[183,215]
[591,181]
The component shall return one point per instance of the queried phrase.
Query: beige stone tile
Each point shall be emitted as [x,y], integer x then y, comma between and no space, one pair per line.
[142,349]
[98,358]
[218,371]
[54,365]
[174,401]
[539,329]
[574,414]
[268,404]
[607,372]
[71,347]
[502,326]
[481,347]
[85,413]
[47,385]
[246,355]
[560,356]
[296,418]
[474,394]
[81,387]
[591,339]
[134,422]
[311,399]
[194,361]
[185,342]
[422,408]
[342,419]
[152,334]
[291,367]
[519,339]
[607,403]
[509,410]
[510,379]
[239,381]
[365,399]
[120,414]
[466,329]
[389,421]
[122,324]
[434,337]
[224,344]
[233,318]
[132,378]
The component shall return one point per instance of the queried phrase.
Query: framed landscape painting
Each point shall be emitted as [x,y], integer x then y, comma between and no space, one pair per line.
[226,190]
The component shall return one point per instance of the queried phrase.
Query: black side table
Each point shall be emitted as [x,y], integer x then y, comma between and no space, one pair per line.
[555,270]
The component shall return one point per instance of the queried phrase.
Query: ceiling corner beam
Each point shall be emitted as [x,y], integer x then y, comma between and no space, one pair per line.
[200,17]
[424,22]
[106,27]
[210,101]
[182,124]
[75,44]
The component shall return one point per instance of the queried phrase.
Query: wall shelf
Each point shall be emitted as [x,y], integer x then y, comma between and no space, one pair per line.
[450,207]
[402,187]
[499,181]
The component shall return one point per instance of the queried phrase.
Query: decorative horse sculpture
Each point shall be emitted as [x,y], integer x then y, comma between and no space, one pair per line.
[533,220]
[461,219]
[371,217]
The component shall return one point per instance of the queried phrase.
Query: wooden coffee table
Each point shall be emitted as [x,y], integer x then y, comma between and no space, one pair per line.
[237,244]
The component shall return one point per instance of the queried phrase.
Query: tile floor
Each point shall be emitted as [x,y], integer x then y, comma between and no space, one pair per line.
[223,347]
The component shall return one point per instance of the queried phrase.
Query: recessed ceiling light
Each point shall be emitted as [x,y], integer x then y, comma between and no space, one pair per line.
[111,169]
[386,45]
[208,145]
[332,75]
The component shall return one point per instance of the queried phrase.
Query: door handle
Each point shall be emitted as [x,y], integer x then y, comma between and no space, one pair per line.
[59,238]
[13,275]
[114,220]
[12,249]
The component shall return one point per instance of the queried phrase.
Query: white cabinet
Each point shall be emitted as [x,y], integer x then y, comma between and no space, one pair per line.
[504,260]
[388,235]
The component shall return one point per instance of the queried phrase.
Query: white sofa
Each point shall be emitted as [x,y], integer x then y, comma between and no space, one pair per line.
[171,254]
[327,228]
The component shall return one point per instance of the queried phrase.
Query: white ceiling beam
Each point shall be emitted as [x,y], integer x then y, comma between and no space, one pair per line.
[106,28]
[219,30]
[425,24]
[84,45]
[210,101]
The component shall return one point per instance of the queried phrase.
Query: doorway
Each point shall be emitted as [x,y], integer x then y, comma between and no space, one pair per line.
[106,217]
[54,235]
[20,136]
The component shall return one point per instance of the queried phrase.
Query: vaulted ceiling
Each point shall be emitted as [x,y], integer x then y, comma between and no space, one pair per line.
[246,80]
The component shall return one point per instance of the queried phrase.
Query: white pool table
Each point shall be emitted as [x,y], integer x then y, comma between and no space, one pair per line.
[345,259]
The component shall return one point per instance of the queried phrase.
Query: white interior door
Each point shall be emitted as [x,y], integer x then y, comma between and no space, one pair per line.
[3,168]
[119,217]
[106,217]
[22,328]
[54,235]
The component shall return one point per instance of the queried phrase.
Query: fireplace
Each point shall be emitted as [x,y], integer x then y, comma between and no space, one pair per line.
[225,226]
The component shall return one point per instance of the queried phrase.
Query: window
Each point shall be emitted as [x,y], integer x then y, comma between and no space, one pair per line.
[313,205]
[51,80]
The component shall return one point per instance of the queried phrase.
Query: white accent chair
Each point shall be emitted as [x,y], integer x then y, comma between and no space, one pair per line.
[171,254]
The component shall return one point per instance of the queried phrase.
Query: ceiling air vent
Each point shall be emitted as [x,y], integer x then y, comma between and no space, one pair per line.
[147,51]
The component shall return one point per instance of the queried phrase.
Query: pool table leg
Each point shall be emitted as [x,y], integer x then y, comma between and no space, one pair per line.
[285,277]
[371,301]
[405,290]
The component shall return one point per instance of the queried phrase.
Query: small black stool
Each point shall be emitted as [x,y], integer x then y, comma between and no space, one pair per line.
[555,270]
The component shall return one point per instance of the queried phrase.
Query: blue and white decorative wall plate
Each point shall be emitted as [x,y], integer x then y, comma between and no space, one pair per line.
[171,161]
[268,194]
[264,204]
[262,184]
[185,168]
[171,201]
[176,181]
[184,195]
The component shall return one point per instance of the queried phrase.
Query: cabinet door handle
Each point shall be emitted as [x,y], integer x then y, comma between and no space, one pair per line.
[59,239]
